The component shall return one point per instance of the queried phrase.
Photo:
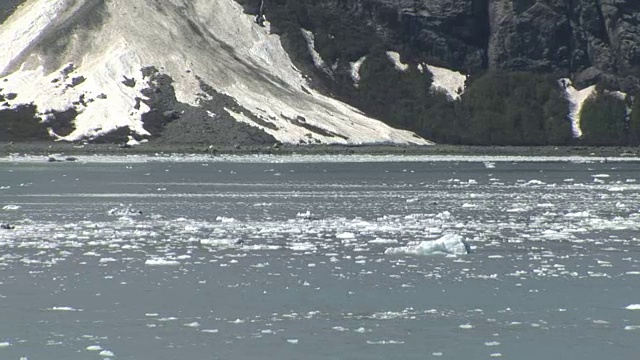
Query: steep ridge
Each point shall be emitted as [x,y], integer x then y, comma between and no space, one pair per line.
[141,68]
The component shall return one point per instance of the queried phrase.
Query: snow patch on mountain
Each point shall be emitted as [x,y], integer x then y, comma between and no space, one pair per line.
[576,99]
[449,81]
[89,56]
[395,59]
[355,70]
[310,38]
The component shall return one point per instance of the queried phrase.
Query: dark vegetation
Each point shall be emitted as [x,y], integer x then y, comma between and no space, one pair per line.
[607,119]
[21,124]
[603,120]
[7,7]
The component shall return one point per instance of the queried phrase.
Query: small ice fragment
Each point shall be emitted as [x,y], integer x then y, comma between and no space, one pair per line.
[632,327]
[210,331]
[292,341]
[161,262]
[346,235]
[466,326]
[193,324]
[94,348]
[492,343]
[437,353]
[106,353]
[4,344]
[633,307]
[11,207]
[62,308]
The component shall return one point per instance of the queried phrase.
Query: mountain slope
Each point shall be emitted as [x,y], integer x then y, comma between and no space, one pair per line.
[143,67]
[523,59]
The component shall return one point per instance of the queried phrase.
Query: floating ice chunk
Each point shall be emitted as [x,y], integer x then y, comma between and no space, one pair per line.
[383,241]
[161,262]
[4,344]
[225,219]
[600,176]
[385,342]
[633,307]
[292,341]
[106,353]
[93,348]
[11,207]
[305,215]
[123,210]
[452,244]
[219,242]
[303,247]
[194,324]
[579,214]
[63,308]
[632,327]
[466,326]
[346,235]
[535,182]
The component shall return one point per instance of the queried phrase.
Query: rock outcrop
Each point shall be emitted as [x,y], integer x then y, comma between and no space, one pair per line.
[588,40]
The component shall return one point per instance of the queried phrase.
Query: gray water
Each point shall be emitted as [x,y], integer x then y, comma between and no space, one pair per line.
[553,274]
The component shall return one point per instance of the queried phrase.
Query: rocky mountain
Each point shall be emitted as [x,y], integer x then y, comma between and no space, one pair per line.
[321,71]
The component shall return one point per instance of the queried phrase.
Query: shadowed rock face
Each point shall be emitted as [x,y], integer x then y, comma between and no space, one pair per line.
[588,40]
[7,7]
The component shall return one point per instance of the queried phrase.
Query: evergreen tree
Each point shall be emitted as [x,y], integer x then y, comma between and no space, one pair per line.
[602,120]
[634,123]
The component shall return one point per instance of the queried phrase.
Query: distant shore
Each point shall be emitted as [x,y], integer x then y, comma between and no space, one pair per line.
[71,149]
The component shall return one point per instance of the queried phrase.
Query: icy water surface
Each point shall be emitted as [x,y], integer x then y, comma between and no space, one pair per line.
[284,258]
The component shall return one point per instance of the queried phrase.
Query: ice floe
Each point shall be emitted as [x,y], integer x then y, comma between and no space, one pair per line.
[449,244]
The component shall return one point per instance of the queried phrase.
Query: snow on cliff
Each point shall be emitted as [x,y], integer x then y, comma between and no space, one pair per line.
[450,82]
[88,55]
[576,99]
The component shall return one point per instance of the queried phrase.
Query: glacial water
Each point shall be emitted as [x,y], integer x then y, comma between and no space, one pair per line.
[288,258]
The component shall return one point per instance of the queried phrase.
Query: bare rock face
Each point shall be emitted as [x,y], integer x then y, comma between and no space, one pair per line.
[528,35]
[589,40]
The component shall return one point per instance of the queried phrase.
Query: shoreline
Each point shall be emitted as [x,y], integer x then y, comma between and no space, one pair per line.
[73,149]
